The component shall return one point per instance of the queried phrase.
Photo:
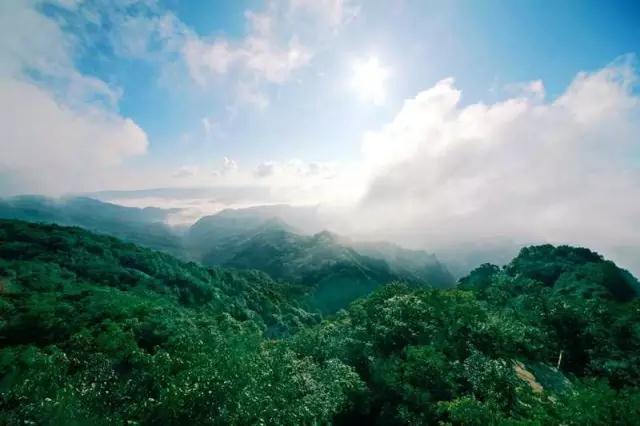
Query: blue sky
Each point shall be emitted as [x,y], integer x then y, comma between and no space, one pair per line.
[431,123]
[313,115]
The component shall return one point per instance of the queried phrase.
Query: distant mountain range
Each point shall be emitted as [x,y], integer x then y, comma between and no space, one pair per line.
[333,269]
[336,270]
[144,226]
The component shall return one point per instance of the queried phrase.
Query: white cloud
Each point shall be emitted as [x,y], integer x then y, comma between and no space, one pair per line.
[295,168]
[144,36]
[60,131]
[188,171]
[532,89]
[262,56]
[23,48]
[332,12]
[369,80]
[250,94]
[281,39]
[563,171]
[265,169]
[229,165]
[206,60]
[56,148]
[208,125]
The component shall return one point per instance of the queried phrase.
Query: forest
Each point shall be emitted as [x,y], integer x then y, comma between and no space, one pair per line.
[95,330]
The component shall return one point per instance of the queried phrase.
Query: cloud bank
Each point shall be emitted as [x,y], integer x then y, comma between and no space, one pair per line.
[60,128]
[524,169]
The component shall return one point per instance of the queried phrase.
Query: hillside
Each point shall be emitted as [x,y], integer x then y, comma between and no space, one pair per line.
[550,338]
[95,330]
[415,265]
[335,270]
[141,226]
[560,271]
[209,230]
[333,274]
[98,331]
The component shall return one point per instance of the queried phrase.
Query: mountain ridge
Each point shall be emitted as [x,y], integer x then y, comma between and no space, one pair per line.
[251,238]
[95,330]
[329,264]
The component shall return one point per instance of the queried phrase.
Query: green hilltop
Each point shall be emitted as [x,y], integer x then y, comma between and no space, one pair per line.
[94,330]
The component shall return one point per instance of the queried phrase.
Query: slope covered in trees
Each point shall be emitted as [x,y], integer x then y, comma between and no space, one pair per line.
[144,226]
[551,338]
[335,271]
[334,275]
[98,331]
[94,330]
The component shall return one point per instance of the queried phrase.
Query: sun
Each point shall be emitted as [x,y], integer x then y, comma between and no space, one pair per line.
[369,78]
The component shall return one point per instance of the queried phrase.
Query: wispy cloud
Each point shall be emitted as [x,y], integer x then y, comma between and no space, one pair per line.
[296,168]
[186,172]
[262,56]
[279,41]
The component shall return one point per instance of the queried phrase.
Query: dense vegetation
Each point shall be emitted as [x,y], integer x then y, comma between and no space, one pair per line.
[141,226]
[94,330]
[485,354]
[333,271]
[334,275]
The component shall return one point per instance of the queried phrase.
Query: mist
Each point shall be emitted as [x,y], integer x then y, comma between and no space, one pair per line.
[470,182]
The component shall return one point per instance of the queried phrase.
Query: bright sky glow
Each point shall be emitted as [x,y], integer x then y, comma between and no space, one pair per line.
[369,80]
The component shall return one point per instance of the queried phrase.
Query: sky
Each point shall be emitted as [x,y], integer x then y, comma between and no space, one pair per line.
[427,122]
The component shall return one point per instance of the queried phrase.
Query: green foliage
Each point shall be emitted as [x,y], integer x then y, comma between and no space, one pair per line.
[97,331]
[595,403]
[546,263]
[449,357]
[333,272]
[417,348]
[141,226]
[94,330]
[585,306]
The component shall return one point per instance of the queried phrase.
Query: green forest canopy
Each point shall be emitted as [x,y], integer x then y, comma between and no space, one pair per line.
[94,330]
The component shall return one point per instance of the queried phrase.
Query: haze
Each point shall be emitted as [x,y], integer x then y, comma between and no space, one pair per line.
[463,128]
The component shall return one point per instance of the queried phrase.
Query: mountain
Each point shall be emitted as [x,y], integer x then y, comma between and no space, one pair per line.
[550,338]
[97,331]
[94,330]
[415,265]
[209,230]
[562,270]
[335,272]
[144,226]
